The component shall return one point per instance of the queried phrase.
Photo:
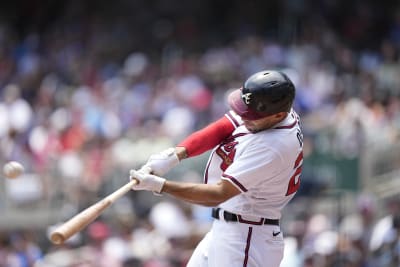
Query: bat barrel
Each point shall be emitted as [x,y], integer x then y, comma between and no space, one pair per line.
[57,238]
[78,222]
[82,219]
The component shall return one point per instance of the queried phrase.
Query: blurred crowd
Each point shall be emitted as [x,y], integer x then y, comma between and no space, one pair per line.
[83,101]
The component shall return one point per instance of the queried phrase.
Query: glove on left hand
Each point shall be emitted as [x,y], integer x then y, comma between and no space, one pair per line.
[163,161]
[147,181]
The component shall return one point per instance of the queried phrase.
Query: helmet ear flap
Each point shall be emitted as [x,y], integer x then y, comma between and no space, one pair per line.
[261,107]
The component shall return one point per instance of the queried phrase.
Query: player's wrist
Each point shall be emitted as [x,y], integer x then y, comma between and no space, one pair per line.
[181,152]
[158,184]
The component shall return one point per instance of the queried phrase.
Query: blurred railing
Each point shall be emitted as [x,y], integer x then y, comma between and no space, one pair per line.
[380,170]
[25,203]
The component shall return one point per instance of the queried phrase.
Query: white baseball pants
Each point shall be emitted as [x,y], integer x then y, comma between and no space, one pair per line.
[233,244]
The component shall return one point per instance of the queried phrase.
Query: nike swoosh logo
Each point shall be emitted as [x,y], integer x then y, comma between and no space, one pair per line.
[276,233]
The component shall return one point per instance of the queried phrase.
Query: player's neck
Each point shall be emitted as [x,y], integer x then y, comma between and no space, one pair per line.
[266,123]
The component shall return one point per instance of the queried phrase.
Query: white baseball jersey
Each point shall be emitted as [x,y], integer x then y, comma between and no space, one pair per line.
[265,166]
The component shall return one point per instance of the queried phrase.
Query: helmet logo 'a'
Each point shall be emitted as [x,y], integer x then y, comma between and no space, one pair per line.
[246,98]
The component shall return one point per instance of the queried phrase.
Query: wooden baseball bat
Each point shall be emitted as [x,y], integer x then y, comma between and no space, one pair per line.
[85,217]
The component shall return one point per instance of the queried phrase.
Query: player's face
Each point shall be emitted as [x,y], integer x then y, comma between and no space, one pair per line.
[264,123]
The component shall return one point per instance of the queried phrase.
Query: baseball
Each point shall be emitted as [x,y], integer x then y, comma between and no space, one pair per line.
[13,169]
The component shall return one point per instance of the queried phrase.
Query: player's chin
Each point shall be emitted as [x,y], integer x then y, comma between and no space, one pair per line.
[254,131]
[251,128]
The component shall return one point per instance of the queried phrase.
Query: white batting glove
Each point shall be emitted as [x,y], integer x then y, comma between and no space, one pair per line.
[145,169]
[147,181]
[163,161]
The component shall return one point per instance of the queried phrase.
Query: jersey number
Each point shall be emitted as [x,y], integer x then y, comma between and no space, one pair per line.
[294,182]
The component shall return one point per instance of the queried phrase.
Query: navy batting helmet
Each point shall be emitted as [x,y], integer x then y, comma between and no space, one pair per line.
[263,93]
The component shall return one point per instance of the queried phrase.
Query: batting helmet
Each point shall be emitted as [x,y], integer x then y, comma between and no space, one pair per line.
[263,93]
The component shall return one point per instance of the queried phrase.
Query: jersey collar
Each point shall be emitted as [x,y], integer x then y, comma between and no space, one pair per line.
[289,122]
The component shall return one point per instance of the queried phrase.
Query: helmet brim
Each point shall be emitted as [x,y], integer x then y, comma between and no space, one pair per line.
[237,104]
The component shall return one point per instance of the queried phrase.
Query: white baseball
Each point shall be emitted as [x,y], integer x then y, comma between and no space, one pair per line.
[13,169]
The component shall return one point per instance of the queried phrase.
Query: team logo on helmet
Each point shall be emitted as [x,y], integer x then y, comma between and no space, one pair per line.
[246,98]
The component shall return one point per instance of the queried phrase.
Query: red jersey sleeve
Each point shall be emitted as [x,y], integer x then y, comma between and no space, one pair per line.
[210,136]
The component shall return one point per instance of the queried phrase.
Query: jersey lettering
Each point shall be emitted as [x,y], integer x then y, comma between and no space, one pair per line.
[300,137]
[294,182]
[226,151]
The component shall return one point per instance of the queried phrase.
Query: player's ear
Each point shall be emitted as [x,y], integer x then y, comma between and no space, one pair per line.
[280,115]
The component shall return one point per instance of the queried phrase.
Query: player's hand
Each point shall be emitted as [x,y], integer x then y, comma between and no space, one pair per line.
[162,162]
[146,181]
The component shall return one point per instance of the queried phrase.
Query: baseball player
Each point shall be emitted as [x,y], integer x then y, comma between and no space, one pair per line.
[252,173]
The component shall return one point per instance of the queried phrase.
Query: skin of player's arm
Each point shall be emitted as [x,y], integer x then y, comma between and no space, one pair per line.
[203,194]
[180,151]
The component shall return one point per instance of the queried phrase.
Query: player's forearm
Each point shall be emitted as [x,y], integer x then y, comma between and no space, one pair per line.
[201,194]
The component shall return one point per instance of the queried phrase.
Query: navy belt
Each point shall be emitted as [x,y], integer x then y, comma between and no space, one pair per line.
[231,217]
